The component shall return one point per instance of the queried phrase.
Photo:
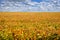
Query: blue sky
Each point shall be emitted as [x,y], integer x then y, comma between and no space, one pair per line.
[30,5]
[37,0]
[0,1]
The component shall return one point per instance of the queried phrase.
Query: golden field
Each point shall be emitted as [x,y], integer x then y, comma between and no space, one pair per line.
[29,25]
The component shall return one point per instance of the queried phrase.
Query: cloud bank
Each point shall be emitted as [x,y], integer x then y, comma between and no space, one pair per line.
[29,6]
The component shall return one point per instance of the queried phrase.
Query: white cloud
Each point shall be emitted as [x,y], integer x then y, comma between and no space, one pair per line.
[28,5]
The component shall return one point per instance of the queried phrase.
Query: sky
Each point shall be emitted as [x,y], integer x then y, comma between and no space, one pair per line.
[31,0]
[37,0]
[29,5]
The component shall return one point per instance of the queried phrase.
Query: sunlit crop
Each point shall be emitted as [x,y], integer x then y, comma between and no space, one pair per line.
[29,25]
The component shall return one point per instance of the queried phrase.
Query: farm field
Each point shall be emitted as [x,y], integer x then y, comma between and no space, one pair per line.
[29,25]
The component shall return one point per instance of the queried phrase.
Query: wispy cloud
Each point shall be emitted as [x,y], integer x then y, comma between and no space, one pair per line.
[28,5]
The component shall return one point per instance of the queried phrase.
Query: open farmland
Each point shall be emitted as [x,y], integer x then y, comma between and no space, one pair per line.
[29,25]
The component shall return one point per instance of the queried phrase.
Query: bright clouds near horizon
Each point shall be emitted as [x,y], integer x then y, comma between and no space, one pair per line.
[29,5]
